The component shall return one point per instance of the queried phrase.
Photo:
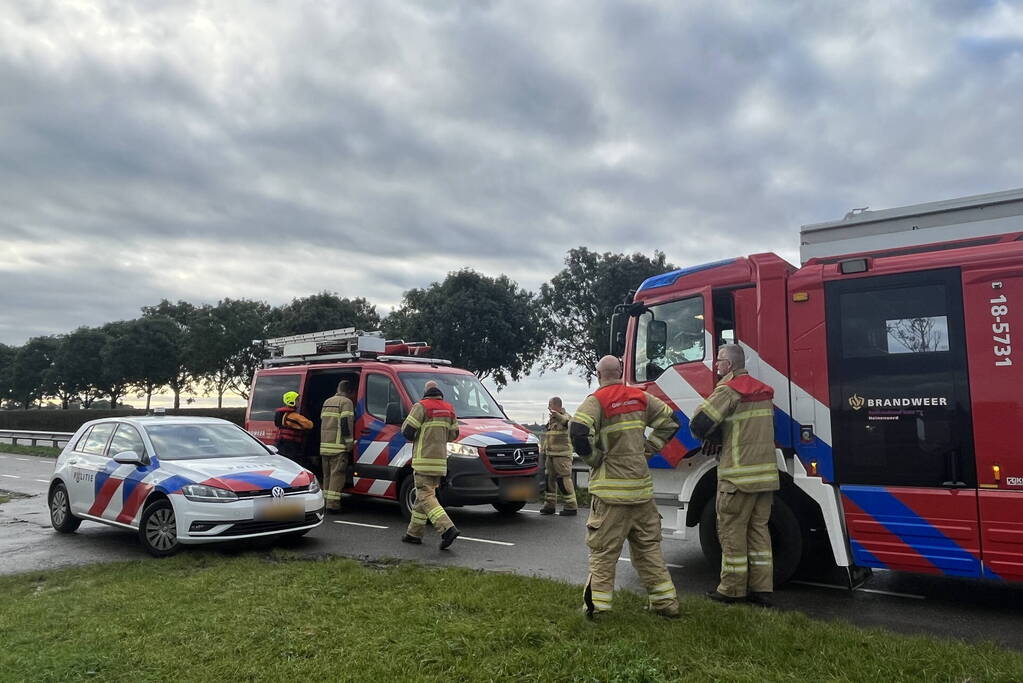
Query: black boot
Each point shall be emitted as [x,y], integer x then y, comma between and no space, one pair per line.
[414,540]
[448,537]
[546,510]
[762,599]
[568,512]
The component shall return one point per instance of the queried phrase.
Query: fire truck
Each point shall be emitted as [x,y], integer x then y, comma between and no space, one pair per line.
[897,389]
[493,461]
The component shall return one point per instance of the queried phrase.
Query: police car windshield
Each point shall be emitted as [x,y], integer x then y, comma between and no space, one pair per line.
[197,441]
[464,392]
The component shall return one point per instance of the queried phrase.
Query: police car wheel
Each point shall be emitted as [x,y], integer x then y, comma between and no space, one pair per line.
[60,510]
[158,529]
[407,496]
[510,507]
[786,539]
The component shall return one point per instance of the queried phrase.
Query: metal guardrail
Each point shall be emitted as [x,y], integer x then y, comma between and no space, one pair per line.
[23,437]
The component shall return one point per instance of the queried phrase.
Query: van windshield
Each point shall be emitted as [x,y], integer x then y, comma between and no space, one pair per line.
[465,392]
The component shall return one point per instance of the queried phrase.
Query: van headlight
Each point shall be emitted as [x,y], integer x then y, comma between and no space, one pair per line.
[460,450]
[202,493]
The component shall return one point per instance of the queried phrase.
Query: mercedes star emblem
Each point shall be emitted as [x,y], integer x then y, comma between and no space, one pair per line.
[519,457]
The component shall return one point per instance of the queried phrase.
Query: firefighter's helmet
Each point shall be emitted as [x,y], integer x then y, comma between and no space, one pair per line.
[291,398]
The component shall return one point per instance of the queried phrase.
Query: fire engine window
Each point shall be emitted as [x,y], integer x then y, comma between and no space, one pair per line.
[668,334]
[268,395]
[380,391]
[906,320]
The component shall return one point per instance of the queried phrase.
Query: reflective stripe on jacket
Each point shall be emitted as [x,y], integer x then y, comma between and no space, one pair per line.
[741,407]
[337,418]
[616,417]
[433,423]
[555,437]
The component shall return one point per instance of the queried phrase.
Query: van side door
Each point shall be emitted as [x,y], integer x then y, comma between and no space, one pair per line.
[379,447]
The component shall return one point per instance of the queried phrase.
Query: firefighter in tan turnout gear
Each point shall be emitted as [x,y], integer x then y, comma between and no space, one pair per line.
[337,419]
[430,425]
[608,433]
[557,452]
[737,419]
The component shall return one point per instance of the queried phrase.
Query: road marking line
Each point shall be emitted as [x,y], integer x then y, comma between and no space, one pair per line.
[9,476]
[535,512]
[484,540]
[862,590]
[42,481]
[24,459]
[666,564]
[368,526]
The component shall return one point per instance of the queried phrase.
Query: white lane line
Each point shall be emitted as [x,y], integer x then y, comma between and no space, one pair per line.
[42,481]
[368,526]
[9,476]
[862,590]
[483,540]
[535,512]
[24,459]
[666,564]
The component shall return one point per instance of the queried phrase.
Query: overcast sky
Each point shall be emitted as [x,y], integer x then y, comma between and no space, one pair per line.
[198,150]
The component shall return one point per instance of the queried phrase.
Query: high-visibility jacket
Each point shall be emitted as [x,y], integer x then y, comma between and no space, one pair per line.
[555,437]
[290,424]
[742,409]
[430,425]
[337,418]
[609,430]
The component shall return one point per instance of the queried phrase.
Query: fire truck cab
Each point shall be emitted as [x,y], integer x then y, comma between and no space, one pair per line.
[897,389]
[493,461]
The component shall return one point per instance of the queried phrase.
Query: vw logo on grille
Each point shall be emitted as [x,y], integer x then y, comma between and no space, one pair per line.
[277,492]
[519,457]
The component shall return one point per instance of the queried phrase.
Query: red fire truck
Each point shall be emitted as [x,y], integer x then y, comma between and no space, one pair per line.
[897,388]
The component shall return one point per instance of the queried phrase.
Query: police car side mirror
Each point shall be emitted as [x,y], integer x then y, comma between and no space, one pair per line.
[131,458]
[272,449]
[395,415]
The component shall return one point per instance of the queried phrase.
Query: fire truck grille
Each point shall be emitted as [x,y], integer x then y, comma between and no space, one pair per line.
[503,457]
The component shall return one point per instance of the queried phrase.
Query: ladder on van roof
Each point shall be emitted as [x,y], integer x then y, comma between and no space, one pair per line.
[340,345]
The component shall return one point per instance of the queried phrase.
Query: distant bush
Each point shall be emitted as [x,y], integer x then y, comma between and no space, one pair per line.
[70,420]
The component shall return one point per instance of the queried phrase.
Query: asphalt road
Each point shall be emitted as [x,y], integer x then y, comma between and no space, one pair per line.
[527,543]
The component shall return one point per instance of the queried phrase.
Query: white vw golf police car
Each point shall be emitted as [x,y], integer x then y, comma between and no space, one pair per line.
[180,480]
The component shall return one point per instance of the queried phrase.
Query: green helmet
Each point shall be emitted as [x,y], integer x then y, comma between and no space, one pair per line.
[291,398]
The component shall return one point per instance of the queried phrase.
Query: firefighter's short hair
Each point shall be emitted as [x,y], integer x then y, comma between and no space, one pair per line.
[734,354]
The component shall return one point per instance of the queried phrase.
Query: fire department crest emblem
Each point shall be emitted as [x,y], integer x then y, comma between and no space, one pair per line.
[856,402]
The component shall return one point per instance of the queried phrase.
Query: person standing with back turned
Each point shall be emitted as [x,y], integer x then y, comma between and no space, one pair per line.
[430,425]
[737,419]
[608,433]
[337,417]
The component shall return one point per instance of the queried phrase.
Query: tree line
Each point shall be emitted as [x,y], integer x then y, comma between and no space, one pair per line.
[488,325]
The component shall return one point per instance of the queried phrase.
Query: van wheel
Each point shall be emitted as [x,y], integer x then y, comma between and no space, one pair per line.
[407,496]
[786,539]
[60,510]
[158,529]
[510,507]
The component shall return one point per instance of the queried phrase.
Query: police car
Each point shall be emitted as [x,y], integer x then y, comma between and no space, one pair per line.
[180,480]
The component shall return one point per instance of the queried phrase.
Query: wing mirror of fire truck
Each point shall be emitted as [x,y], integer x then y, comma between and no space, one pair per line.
[395,415]
[617,341]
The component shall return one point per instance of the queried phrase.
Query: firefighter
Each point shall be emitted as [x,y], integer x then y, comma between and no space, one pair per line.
[557,452]
[736,423]
[337,419]
[430,425]
[608,433]
[291,428]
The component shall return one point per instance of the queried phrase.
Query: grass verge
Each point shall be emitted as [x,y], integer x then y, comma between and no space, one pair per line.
[8,496]
[18,449]
[276,617]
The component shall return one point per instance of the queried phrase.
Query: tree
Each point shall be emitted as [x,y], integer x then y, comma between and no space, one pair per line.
[578,302]
[323,311]
[483,324]
[148,349]
[7,354]
[222,344]
[77,369]
[115,375]
[182,314]
[30,370]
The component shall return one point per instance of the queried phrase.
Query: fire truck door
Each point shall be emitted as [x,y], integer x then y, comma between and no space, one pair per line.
[992,298]
[903,440]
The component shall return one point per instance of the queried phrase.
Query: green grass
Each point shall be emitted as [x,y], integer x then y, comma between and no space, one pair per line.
[18,449]
[8,496]
[277,617]
[582,496]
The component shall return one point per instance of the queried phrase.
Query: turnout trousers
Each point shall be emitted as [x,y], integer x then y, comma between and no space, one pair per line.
[559,482]
[606,530]
[334,467]
[427,507]
[746,561]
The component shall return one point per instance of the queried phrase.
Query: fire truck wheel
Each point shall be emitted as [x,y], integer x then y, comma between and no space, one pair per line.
[407,496]
[509,508]
[786,539]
